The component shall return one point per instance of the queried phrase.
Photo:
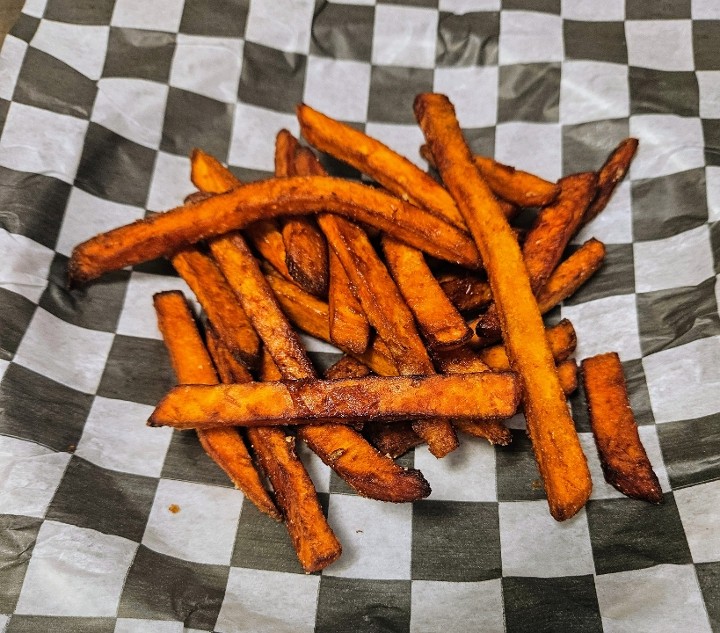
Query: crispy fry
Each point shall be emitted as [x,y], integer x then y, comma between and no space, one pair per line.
[556,445]
[347,367]
[218,301]
[515,185]
[468,291]
[165,233]
[440,323]
[493,431]
[393,439]
[192,364]
[285,147]
[610,175]
[623,458]
[568,375]
[462,360]
[472,396]
[349,328]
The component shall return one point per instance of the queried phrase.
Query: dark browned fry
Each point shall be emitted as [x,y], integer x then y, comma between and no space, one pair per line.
[561,461]
[515,185]
[393,439]
[347,367]
[349,328]
[218,301]
[285,147]
[468,291]
[623,458]
[493,431]
[192,364]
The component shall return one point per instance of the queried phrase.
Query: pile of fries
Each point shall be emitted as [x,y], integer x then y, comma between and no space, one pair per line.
[433,296]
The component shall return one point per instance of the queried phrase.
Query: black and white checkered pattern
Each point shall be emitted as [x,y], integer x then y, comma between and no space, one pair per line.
[100,103]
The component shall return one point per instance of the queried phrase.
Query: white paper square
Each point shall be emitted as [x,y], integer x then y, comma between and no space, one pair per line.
[660,44]
[614,224]
[404,139]
[35,8]
[4,364]
[43,142]
[404,36]
[534,147]
[283,24]
[69,354]
[29,476]
[337,87]
[669,144]
[116,437]
[536,545]
[468,6]
[376,538]
[75,571]
[316,468]
[253,136]
[606,324]
[712,183]
[170,182]
[705,10]
[133,625]
[701,523]
[11,59]
[247,609]
[203,510]
[684,381]
[466,474]
[87,215]
[312,344]
[209,66]
[709,86]
[138,317]
[527,37]
[4,620]
[24,265]
[80,46]
[592,91]
[473,91]
[133,108]
[593,11]
[159,15]
[434,604]
[661,599]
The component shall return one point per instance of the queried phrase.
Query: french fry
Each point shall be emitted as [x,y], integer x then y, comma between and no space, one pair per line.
[493,431]
[623,458]
[610,175]
[347,367]
[515,185]
[218,301]
[165,233]
[192,364]
[561,461]
[467,291]
[393,440]
[568,375]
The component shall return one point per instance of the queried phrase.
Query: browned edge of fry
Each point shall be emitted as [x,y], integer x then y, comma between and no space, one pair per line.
[393,440]
[493,431]
[347,367]
[467,290]
[610,175]
[516,186]
[568,375]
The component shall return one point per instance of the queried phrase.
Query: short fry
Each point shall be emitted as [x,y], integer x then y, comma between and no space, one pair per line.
[610,175]
[515,185]
[467,291]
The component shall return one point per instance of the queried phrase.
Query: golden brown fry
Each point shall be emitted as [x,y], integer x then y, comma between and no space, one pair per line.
[219,303]
[347,367]
[610,175]
[568,375]
[493,431]
[440,323]
[349,328]
[392,439]
[561,461]
[515,185]
[623,458]
[467,290]
[165,233]
[463,360]
[285,147]
[192,364]
[471,396]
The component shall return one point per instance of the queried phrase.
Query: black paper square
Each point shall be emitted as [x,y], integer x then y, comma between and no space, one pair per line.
[595,41]
[17,536]
[615,277]
[546,6]
[586,146]
[691,450]
[355,605]
[96,12]
[115,168]
[25,27]
[708,575]
[529,92]
[470,39]
[35,408]
[456,541]
[137,370]
[271,78]
[32,205]
[218,18]
[393,90]
[15,314]
[46,82]
[34,623]
[428,4]
[547,605]
[161,587]
[480,140]
[715,245]
[108,501]
[658,10]
[139,53]
[668,318]
[186,460]
[342,31]
[705,38]
[662,92]
[711,134]
[518,478]
[192,120]
[628,534]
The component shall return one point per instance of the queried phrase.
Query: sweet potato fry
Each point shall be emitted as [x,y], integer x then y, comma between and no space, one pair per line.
[192,364]
[347,367]
[440,323]
[515,185]
[623,458]
[462,360]
[468,291]
[561,461]
[394,439]
[493,431]
[166,233]
[610,175]
[349,328]
[568,375]
[219,303]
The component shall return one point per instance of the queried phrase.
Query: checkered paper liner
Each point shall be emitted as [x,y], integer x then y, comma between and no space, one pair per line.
[100,104]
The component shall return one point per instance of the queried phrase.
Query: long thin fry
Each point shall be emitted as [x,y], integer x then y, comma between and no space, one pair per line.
[561,461]
[192,364]
[610,175]
[515,185]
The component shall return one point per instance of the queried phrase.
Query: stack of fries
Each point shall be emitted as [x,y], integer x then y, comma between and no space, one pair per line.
[433,296]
